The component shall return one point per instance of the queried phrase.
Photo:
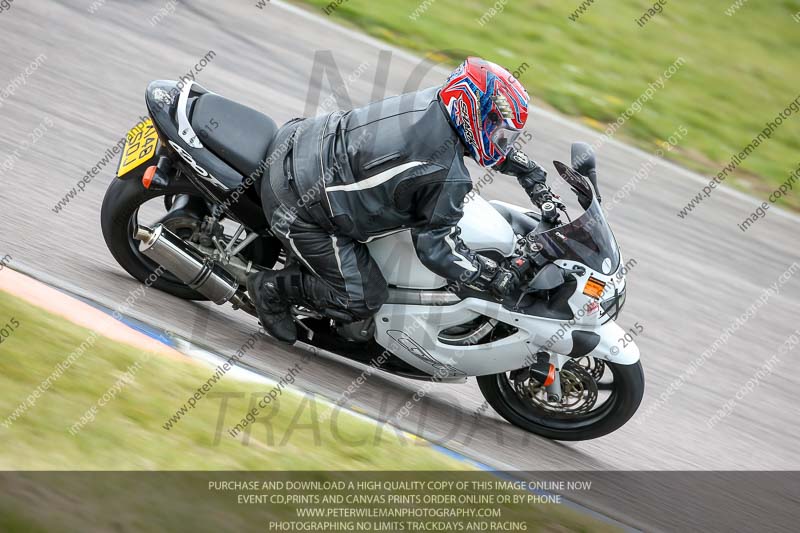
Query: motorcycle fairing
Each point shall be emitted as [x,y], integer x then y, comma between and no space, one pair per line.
[423,324]
[483,229]
[586,248]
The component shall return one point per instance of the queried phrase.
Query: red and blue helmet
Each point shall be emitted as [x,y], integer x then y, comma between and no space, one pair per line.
[488,108]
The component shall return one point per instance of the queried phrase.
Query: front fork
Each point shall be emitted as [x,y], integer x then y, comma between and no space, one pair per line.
[608,348]
[554,389]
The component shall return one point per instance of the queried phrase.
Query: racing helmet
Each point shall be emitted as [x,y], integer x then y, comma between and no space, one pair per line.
[488,108]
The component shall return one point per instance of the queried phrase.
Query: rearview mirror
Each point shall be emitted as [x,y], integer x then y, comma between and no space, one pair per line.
[578,183]
[583,158]
[584,162]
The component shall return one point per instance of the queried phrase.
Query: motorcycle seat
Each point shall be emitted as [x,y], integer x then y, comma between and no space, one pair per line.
[235,133]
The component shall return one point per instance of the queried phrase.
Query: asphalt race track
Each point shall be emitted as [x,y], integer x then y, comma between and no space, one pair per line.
[692,277]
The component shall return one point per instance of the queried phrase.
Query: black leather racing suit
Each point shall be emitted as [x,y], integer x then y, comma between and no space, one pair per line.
[342,179]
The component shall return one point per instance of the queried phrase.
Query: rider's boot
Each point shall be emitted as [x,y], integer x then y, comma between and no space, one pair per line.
[273,292]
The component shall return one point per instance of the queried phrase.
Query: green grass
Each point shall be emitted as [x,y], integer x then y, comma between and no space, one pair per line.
[127,435]
[740,71]
[127,432]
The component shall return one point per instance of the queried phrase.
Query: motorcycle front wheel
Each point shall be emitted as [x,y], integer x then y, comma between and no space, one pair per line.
[598,398]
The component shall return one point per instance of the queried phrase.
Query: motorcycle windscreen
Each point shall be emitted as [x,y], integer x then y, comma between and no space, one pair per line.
[587,239]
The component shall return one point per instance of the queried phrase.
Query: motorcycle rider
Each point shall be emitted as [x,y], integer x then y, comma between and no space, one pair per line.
[341,179]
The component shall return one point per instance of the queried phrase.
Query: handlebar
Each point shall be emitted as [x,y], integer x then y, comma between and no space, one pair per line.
[549,212]
[550,217]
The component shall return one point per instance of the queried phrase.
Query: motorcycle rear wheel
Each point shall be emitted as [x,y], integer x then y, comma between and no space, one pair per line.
[619,407]
[117,219]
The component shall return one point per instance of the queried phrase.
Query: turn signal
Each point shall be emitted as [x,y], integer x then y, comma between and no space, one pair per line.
[551,376]
[147,179]
[594,288]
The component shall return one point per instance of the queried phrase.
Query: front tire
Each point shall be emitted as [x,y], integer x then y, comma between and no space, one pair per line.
[610,416]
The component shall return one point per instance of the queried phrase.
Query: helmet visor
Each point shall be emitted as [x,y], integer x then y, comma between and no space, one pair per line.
[504,136]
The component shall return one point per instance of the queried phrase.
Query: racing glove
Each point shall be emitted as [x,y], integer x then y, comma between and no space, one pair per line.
[500,280]
[530,175]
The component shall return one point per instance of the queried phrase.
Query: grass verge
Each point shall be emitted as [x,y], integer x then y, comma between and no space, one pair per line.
[739,71]
[127,434]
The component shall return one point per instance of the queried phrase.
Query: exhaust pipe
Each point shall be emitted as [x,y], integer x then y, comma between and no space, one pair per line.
[190,266]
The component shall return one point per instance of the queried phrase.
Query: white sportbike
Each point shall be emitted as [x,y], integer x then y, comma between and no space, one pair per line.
[550,358]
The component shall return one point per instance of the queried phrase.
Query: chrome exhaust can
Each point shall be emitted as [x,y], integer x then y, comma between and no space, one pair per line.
[186,263]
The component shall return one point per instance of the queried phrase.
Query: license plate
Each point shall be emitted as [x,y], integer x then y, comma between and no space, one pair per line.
[140,147]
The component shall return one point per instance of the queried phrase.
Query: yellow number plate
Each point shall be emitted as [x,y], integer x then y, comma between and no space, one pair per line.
[140,147]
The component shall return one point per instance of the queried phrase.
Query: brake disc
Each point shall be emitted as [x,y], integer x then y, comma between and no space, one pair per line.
[595,367]
[579,392]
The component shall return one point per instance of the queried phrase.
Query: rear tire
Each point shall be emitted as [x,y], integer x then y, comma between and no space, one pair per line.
[123,198]
[620,407]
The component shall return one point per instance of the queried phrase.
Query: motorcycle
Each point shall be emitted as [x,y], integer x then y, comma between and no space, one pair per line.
[550,358]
